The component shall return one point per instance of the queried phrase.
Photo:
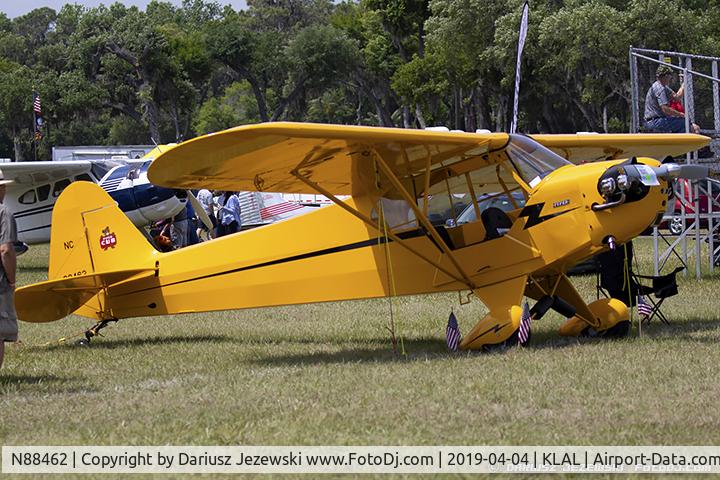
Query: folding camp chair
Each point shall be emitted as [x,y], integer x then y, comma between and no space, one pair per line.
[662,287]
[612,275]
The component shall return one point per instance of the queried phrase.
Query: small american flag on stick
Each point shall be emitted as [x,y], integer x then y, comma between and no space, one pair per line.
[643,307]
[452,333]
[524,330]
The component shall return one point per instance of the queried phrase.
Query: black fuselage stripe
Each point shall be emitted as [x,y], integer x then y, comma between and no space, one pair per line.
[343,248]
[35,228]
[33,211]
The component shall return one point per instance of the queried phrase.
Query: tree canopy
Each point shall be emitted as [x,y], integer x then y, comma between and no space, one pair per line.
[120,75]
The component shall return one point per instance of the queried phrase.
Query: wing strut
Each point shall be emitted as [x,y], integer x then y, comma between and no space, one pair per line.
[423,218]
[296,173]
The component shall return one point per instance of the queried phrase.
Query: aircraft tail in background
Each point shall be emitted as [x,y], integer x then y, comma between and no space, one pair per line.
[261,208]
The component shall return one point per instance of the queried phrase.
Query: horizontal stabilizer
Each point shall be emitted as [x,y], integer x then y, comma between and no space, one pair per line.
[55,299]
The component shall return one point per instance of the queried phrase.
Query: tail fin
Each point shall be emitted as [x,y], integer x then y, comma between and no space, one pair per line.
[93,245]
[90,234]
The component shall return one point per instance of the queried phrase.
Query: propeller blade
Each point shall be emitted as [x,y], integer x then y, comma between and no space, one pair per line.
[199,210]
[694,172]
[673,170]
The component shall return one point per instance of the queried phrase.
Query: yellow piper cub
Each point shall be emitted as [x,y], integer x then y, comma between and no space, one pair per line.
[387,238]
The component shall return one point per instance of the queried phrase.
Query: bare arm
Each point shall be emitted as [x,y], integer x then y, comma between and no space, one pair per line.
[9,261]
[671,112]
[680,94]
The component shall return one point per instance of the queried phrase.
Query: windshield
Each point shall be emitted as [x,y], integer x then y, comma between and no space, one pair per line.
[500,201]
[531,160]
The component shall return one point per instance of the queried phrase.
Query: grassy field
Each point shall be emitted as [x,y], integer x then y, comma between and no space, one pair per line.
[326,374]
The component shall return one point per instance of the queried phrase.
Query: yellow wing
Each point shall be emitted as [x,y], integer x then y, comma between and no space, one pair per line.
[262,157]
[581,148]
[271,156]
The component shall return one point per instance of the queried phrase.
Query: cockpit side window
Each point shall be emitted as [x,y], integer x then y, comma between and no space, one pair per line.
[100,169]
[27,198]
[59,186]
[85,177]
[532,161]
[43,192]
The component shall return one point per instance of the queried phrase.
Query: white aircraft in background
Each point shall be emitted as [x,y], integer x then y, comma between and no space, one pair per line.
[36,186]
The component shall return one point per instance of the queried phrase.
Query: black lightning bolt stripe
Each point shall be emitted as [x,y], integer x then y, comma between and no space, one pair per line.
[532,212]
[494,328]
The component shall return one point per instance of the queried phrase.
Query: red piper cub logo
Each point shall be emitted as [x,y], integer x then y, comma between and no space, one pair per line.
[107,239]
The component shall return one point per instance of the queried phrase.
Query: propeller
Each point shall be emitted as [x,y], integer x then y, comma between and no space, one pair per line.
[674,170]
[199,210]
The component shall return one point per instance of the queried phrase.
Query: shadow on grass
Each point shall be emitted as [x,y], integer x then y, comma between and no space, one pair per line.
[26,269]
[43,384]
[28,379]
[370,351]
[682,329]
[380,350]
[106,344]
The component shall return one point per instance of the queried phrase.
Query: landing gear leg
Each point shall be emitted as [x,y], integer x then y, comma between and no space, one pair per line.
[499,327]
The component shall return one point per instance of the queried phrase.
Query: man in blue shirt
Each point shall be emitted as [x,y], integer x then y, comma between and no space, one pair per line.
[229,220]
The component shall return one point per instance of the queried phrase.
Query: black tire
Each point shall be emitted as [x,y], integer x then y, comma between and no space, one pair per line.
[619,330]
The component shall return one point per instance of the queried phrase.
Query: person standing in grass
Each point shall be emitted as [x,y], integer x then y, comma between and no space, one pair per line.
[8,236]
[229,220]
[205,197]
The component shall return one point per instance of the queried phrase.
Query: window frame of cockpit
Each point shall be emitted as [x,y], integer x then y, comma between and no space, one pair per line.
[553,160]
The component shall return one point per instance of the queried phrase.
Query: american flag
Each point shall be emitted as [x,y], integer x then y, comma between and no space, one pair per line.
[524,330]
[37,114]
[452,333]
[36,104]
[643,307]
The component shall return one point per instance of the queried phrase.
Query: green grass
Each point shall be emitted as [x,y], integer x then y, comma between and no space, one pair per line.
[325,374]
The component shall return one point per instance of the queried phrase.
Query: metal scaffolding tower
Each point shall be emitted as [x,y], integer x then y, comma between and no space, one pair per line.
[698,217]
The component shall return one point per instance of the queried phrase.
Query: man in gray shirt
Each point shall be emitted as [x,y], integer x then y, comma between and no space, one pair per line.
[8,236]
[659,116]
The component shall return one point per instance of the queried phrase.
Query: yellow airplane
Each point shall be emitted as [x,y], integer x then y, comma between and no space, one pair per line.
[382,240]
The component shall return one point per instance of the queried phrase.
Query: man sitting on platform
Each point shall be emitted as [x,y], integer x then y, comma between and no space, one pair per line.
[659,116]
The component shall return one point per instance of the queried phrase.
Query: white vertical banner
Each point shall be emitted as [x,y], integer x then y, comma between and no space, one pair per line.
[521,44]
